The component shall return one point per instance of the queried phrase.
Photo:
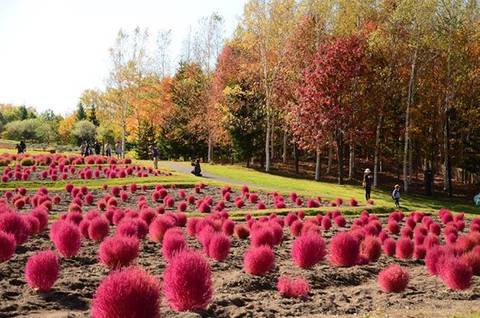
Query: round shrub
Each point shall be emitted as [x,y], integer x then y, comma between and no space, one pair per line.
[131,293]
[187,282]
[242,231]
[219,247]
[173,243]
[292,287]
[261,236]
[393,279]
[98,229]
[308,250]
[344,250]
[13,223]
[118,251]
[158,227]
[41,270]
[404,248]
[258,260]
[7,246]
[455,274]
[66,237]
[371,248]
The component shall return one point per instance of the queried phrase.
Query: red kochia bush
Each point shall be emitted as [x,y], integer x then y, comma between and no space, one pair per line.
[292,287]
[118,251]
[173,243]
[7,246]
[241,231]
[158,227]
[14,224]
[131,293]
[219,247]
[404,248]
[98,229]
[41,270]
[187,281]
[455,274]
[344,250]
[308,250]
[262,236]
[371,248]
[258,260]
[393,279]
[66,237]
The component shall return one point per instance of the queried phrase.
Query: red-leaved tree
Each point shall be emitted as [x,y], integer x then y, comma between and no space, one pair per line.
[327,95]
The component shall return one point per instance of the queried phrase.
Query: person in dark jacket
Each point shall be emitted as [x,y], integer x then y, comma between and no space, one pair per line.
[367,183]
[155,156]
[196,170]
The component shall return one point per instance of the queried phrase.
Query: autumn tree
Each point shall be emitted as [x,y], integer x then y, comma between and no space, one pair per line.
[325,95]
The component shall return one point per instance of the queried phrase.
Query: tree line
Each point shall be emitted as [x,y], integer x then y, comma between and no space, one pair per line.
[393,84]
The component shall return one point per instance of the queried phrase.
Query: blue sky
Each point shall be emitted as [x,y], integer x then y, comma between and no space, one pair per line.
[51,50]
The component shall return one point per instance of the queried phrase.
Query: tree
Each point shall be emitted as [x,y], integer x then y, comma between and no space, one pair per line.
[84,131]
[33,129]
[81,114]
[266,26]
[65,127]
[92,116]
[325,96]
[145,140]
[243,120]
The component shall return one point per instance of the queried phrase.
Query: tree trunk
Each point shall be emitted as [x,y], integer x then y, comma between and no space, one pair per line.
[411,84]
[410,165]
[351,162]
[272,141]
[330,156]
[210,148]
[377,146]
[267,146]
[447,181]
[284,152]
[339,140]
[296,155]
[317,163]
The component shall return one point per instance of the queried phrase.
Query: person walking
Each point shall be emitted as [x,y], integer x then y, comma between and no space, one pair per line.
[108,150]
[367,183]
[396,196]
[118,150]
[155,155]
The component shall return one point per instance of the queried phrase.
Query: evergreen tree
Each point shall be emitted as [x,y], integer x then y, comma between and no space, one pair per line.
[23,112]
[81,115]
[92,117]
[146,138]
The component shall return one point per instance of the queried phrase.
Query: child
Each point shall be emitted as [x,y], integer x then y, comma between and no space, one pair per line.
[396,196]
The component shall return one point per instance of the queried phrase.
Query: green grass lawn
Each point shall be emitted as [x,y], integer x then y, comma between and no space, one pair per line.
[330,191]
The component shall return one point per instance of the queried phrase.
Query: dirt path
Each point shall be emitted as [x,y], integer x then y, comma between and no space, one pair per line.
[182,168]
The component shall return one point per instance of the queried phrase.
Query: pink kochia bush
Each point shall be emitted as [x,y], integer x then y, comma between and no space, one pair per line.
[66,237]
[258,260]
[7,246]
[393,279]
[455,274]
[219,247]
[14,224]
[292,287]
[41,270]
[173,243]
[344,250]
[308,250]
[118,251]
[131,293]
[187,281]
[98,229]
